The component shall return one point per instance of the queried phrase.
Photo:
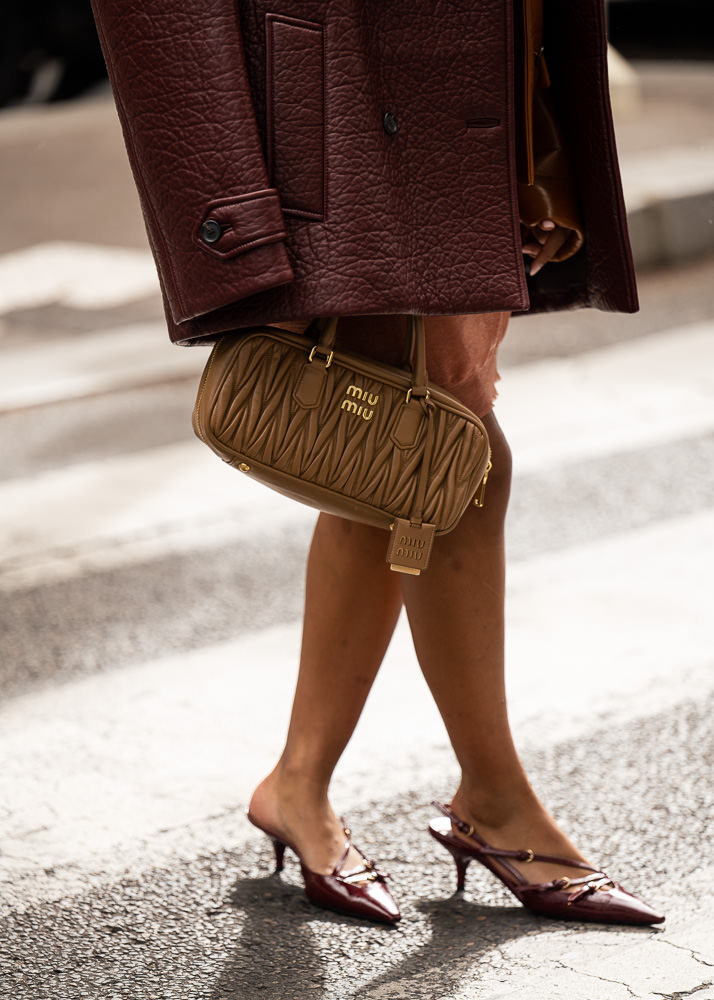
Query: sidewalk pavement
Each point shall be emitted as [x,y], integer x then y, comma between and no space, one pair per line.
[665,136]
[666,144]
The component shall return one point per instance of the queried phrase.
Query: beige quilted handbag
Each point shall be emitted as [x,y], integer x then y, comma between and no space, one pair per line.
[344,433]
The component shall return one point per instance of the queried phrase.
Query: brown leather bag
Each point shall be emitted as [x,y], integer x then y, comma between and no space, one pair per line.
[344,433]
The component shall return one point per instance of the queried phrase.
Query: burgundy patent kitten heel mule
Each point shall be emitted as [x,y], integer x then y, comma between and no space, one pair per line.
[359,892]
[594,897]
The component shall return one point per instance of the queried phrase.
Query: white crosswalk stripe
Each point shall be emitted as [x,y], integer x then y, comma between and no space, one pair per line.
[107,361]
[108,512]
[80,275]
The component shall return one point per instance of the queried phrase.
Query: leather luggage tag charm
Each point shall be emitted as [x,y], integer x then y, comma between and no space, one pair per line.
[410,546]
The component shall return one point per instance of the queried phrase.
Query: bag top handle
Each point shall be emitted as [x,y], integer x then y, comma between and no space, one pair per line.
[326,330]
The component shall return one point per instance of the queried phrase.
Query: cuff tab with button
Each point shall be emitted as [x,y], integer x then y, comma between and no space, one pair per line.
[232,226]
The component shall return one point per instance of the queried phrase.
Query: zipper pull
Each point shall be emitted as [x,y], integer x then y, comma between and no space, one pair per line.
[478,499]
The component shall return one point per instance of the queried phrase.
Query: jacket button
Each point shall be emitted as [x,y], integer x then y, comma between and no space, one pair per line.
[391,125]
[211,231]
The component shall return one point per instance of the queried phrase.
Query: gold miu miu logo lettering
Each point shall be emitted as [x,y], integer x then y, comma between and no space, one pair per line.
[410,547]
[361,404]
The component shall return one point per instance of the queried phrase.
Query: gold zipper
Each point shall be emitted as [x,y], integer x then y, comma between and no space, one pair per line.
[480,492]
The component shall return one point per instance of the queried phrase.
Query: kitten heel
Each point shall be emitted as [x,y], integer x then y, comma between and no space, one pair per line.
[462,857]
[279,848]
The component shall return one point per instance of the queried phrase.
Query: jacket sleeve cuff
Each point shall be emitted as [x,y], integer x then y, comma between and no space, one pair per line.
[237,250]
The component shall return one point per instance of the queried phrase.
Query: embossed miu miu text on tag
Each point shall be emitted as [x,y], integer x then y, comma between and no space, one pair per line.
[410,547]
[360,402]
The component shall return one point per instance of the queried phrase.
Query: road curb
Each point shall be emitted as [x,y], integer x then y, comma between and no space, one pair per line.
[670,230]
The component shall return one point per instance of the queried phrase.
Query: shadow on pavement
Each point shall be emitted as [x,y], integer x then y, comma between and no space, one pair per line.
[462,936]
[276,947]
[290,948]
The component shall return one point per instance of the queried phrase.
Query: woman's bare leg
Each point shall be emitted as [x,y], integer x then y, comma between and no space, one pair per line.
[352,603]
[456,615]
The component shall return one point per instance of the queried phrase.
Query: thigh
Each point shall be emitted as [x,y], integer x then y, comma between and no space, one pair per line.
[461,351]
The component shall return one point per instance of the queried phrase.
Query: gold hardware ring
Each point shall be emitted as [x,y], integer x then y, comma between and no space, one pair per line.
[328,358]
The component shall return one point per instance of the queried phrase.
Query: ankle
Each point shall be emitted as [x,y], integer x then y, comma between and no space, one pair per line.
[516,821]
[495,809]
[296,809]
[302,778]
[288,789]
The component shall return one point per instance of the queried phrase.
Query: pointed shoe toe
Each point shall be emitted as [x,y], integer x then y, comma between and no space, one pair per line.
[604,904]
[360,892]
[358,895]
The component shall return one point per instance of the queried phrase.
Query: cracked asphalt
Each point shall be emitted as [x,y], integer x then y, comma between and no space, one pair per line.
[221,925]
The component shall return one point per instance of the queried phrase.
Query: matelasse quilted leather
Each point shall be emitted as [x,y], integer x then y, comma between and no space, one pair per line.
[345,436]
[382,131]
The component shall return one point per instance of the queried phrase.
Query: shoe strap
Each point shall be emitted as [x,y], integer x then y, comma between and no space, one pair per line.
[526,855]
[368,870]
[580,886]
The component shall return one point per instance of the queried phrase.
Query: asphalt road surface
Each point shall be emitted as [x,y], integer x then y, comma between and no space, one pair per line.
[150,621]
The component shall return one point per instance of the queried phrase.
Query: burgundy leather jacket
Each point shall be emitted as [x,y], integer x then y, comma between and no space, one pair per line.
[322,157]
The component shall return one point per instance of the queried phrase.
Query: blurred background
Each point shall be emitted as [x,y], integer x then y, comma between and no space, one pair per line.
[151,597]
[50,52]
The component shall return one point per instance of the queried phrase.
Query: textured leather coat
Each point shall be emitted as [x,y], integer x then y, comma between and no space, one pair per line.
[297,158]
